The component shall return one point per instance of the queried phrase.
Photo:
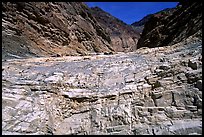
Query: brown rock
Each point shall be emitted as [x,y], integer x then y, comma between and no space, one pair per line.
[48,29]
[123,37]
[163,28]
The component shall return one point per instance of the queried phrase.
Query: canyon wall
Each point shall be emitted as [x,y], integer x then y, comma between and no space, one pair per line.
[124,37]
[51,29]
[173,26]
[155,90]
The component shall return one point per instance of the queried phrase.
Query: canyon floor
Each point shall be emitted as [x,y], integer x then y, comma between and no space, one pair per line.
[151,91]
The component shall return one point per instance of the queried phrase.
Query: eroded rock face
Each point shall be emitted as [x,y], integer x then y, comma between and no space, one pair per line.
[139,25]
[124,37]
[173,26]
[50,29]
[150,91]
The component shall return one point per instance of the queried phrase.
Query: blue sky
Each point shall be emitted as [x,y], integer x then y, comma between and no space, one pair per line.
[130,12]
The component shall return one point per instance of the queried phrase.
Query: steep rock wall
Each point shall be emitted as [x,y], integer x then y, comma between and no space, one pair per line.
[167,28]
[51,29]
[124,37]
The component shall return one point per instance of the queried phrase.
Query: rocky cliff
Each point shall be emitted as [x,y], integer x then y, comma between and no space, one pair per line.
[167,28]
[123,37]
[50,29]
[154,91]
[139,25]
[151,91]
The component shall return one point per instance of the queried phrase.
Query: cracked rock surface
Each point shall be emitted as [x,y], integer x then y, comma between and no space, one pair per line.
[151,91]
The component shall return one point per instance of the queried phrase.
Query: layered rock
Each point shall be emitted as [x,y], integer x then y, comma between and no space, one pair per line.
[173,26]
[150,91]
[154,91]
[50,29]
[123,37]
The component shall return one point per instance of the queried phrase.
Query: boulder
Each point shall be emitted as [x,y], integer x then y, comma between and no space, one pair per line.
[194,75]
[182,77]
[193,64]
[178,98]
[165,100]
[158,71]
[157,84]
[157,94]
[149,103]
[165,81]
[152,79]
[147,87]
[165,67]
[56,77]
[199,84]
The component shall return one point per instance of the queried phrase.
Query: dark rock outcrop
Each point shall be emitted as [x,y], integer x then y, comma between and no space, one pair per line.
[124,37]
[46,29]
[139,25]
[167,28]
[142,21]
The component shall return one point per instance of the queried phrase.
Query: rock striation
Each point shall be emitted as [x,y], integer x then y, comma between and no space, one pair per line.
[153,91]
[50,29]
[172,26]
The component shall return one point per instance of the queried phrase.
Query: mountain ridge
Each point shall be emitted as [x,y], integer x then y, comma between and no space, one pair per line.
[168,28]
[47,29]
[123,36]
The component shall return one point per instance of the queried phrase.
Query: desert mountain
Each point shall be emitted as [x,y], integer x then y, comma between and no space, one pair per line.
[53,28]
[139,25]
[173,26]
[60,29]
[123,36]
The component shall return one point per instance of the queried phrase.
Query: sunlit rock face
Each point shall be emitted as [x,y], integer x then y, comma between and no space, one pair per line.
[50,29]
[151,91]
